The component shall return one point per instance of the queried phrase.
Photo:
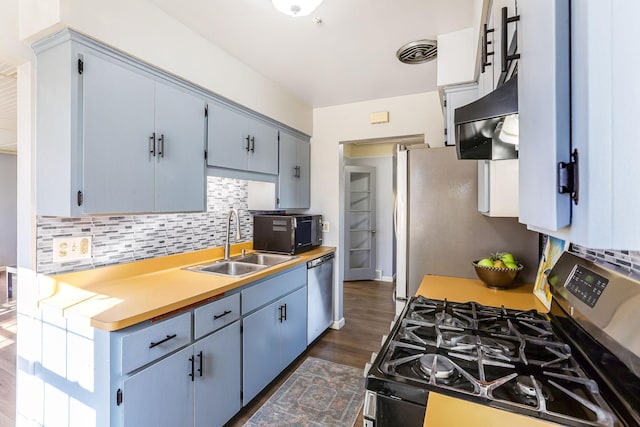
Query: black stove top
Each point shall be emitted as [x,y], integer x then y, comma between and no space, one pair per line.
[504,358]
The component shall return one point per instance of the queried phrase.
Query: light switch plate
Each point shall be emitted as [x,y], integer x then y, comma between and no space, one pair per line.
[71,248]
[325,227]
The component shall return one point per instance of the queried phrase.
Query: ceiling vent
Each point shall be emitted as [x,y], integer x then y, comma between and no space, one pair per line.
[418,51]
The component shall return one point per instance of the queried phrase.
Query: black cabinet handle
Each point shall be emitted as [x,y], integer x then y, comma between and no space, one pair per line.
[248,138]
[217,316]
[285,312]
[281,317]
[200,358]
[505,56]
[152,144]
[169,337]
[192,374]
[253,144]
[161,145]
[485,47]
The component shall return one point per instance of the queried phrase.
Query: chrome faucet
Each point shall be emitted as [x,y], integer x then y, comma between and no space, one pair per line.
[227,245]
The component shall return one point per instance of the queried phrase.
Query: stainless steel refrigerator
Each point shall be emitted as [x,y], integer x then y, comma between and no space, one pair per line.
[438,227]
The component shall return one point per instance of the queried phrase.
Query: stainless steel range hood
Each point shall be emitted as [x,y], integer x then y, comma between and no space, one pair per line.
[486,129]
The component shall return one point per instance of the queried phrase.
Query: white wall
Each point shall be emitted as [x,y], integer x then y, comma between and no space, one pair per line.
[408,115]
[142,30]
[8,209]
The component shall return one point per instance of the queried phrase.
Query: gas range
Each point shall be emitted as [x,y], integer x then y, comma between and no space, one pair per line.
[521,361]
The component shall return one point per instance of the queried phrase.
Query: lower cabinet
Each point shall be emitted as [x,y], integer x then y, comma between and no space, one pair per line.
[199,385]
[272,338]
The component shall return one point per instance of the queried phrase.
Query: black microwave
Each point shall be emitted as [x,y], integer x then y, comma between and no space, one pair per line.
[287,233]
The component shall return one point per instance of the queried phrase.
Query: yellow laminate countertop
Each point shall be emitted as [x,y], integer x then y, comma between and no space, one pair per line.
[446,411]
[114,297]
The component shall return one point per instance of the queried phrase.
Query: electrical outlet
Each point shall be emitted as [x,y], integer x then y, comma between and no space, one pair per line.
[71,248]
[325,227]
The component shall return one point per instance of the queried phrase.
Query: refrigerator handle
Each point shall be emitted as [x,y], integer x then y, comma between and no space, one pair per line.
[395,214]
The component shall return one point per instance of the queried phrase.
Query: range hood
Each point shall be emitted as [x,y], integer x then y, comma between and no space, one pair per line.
[487,129]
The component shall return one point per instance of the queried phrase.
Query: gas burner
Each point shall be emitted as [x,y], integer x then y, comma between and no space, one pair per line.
[443,367]
[445,319]
[527,391]
[498,348]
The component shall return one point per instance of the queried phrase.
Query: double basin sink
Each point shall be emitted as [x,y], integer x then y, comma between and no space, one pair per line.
[242,265]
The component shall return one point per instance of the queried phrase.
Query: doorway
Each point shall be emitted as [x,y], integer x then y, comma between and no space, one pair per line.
[360,239]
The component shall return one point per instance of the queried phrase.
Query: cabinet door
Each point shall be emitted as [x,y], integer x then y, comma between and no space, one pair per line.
[263,154]
[287,180]
[160,395]
[293,330]
[217,384]
[227,138]
[544,111]
[117,123]
[180,165]
[293,177]
[303,191]
[260,350]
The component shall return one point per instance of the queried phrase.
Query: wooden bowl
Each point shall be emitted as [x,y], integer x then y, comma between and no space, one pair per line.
[497,278]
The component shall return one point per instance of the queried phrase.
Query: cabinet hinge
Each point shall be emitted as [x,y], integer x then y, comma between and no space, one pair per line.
[278,201]
[206,111]
[568,180]
[80,65]
[119,397]
[241,328]
[80,198]
[205,154]
[444,102]
[241,395]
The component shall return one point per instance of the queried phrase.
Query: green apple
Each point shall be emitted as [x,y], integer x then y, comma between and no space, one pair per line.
[510,264]
[485,262]
[507,257]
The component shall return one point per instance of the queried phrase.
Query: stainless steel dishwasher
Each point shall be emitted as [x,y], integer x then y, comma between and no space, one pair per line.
[319,295]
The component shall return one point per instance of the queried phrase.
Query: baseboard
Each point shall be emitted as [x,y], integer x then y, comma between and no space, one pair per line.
[387,278]
[337,324]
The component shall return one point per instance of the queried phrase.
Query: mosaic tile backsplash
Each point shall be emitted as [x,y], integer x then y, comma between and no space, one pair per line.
[628,261]
[119,239]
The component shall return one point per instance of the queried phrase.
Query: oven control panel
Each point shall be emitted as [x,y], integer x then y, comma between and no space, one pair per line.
[586,285]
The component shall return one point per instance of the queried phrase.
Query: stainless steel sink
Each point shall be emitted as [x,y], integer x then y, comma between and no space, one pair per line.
[241,266]
[264,259]
[232,268]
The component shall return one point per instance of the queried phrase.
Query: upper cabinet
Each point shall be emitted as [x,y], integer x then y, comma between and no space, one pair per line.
[113,137]
[240,141]
[293,178]
[578,146]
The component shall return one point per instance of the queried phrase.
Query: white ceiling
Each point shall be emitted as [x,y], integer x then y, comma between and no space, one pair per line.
[349,57]
[7,108]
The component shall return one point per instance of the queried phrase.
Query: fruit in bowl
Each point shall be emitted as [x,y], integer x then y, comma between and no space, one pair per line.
[498,271]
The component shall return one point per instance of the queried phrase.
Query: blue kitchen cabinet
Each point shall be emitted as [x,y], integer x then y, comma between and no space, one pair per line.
[143,142]
[260,350]
[294,172]
[114,135]
[160,395]
[583,106]
[293,331]
[274,334]
[196,386]
[240,141]
[217,382]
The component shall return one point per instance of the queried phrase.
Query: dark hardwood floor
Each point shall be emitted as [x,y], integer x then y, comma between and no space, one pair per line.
[368,312]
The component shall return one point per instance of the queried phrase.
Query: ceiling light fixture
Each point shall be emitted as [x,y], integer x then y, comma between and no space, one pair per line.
[296,7]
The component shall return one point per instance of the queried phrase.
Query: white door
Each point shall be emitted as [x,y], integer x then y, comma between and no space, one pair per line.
[360,223]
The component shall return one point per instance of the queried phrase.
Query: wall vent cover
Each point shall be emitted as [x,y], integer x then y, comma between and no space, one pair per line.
[417,52]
